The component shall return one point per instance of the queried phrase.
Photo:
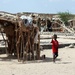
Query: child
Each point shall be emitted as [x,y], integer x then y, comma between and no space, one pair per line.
[55,45]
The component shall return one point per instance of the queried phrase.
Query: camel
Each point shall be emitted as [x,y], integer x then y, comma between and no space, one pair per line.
[20,39]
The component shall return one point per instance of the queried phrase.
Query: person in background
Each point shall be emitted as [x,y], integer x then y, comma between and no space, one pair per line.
[43,25]
[39,23]
[55,45]
[49,25]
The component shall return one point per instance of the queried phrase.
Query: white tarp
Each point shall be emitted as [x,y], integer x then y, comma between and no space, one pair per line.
[29,19]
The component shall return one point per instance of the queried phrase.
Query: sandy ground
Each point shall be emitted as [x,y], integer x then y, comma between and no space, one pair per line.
[65,64]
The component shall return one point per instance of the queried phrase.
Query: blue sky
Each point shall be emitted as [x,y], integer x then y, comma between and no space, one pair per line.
[38,6]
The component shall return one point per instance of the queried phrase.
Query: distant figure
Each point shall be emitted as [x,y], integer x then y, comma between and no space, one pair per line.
[55,45]
[43,25]
[39,23]
[49,25]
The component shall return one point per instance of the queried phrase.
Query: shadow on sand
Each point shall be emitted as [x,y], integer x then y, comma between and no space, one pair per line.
[64,63]
[8,58]
[47,59]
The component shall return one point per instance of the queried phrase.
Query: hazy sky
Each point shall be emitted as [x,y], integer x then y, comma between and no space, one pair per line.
[38,6]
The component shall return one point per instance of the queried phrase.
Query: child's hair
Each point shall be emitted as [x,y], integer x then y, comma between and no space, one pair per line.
[55,36]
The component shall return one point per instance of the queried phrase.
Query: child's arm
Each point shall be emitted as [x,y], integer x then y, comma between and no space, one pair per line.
[52,39]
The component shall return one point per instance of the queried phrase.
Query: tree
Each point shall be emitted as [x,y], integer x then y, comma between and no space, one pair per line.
[65,16]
